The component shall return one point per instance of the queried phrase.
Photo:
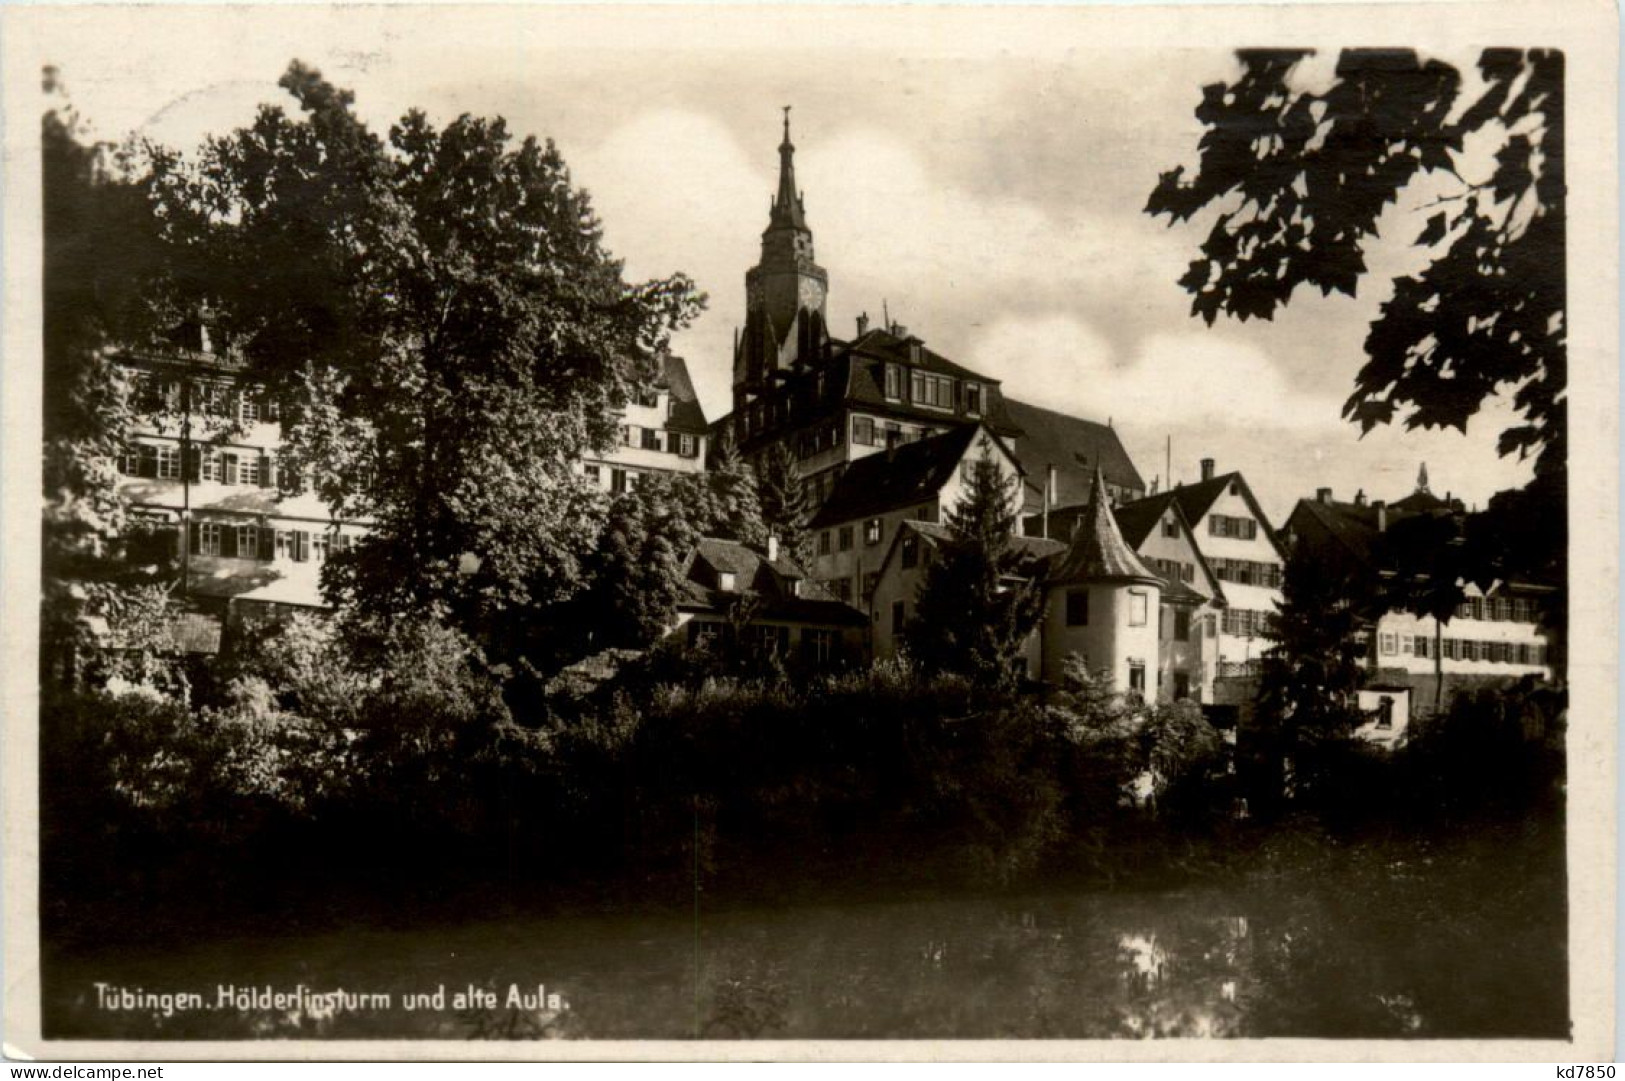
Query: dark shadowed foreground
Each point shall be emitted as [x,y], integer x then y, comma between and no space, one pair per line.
[1396,938]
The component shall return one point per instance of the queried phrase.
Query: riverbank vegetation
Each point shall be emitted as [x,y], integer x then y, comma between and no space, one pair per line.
[383,772]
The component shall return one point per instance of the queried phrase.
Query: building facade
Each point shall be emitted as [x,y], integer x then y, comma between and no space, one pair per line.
[1496,634]
[836,402]
[204,462]
[662,431]
[920,481]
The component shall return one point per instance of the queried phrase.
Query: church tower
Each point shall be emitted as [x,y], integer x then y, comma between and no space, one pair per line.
[784,291]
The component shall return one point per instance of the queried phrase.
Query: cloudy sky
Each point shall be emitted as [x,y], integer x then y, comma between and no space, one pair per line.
[988,190]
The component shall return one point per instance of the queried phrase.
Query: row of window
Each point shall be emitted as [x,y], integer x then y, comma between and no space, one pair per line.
[239,541]
[1173,569]
[1224,525]
[162,461]
[933,391]
[822,438]
[1499,609]
[154,394]
[681,444]
[1462,649]
[1246,623]
[1247,572]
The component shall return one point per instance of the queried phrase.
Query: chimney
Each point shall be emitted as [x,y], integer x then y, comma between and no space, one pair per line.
[1381,507]
[1359,498]
[1207,468]
[772,547]
[863,324]
[1323,495]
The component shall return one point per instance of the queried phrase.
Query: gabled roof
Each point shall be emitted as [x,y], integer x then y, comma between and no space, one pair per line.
[742,561]
[782,589]
[1350,525]
[1196,499]
[686,413]
[888,480]
[1139,518]
[1097,551]
[1074,446]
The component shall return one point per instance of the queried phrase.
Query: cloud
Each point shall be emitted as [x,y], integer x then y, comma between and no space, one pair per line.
[1172,379]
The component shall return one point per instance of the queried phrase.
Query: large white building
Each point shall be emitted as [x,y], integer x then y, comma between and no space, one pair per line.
[662,431]
[206,463]
[1495,634]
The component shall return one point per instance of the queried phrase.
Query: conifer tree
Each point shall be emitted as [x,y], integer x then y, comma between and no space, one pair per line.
[976,606]
[784,501]
[735,512]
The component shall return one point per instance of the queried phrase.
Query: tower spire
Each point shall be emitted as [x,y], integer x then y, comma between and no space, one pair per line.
[1422,478]
[787,208]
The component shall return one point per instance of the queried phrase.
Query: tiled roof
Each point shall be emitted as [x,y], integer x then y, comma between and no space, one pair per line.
[1139,518]
[1195,499]
[686,414]
[770,581]
[1074,446]
[743,561]
[912,473]
[1097,550]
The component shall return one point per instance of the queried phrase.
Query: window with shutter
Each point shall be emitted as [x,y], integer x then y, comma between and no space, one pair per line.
[301,546]
[228,468]
[267,543]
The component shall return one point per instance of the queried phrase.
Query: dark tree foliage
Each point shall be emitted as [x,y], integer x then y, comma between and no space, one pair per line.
[445,328]
[1300,177]
[637,568]
[101,262]
[784,501]
[1306,696]
[976,607]
[1428,556]
[102,271]
[733,510]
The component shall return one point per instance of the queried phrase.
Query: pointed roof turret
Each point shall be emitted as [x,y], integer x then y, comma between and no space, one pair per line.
[787,211]
[1422,478]
[1097,551]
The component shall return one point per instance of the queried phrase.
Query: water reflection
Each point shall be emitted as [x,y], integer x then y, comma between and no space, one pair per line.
[1099,965]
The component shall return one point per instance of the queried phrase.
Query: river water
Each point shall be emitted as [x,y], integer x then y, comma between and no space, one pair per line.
[1282,959]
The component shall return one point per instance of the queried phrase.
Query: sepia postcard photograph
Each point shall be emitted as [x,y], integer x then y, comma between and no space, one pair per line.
[702,532]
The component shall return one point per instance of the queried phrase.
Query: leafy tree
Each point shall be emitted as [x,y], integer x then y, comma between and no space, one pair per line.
[1300,177]
[1428,558]
[637,568]
[447,334]
[976,605]
[784,500]
[105,596]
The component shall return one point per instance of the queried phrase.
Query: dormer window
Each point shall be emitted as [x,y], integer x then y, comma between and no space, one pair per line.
[894,382]
[973,399]
[726,581]
[933,391]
